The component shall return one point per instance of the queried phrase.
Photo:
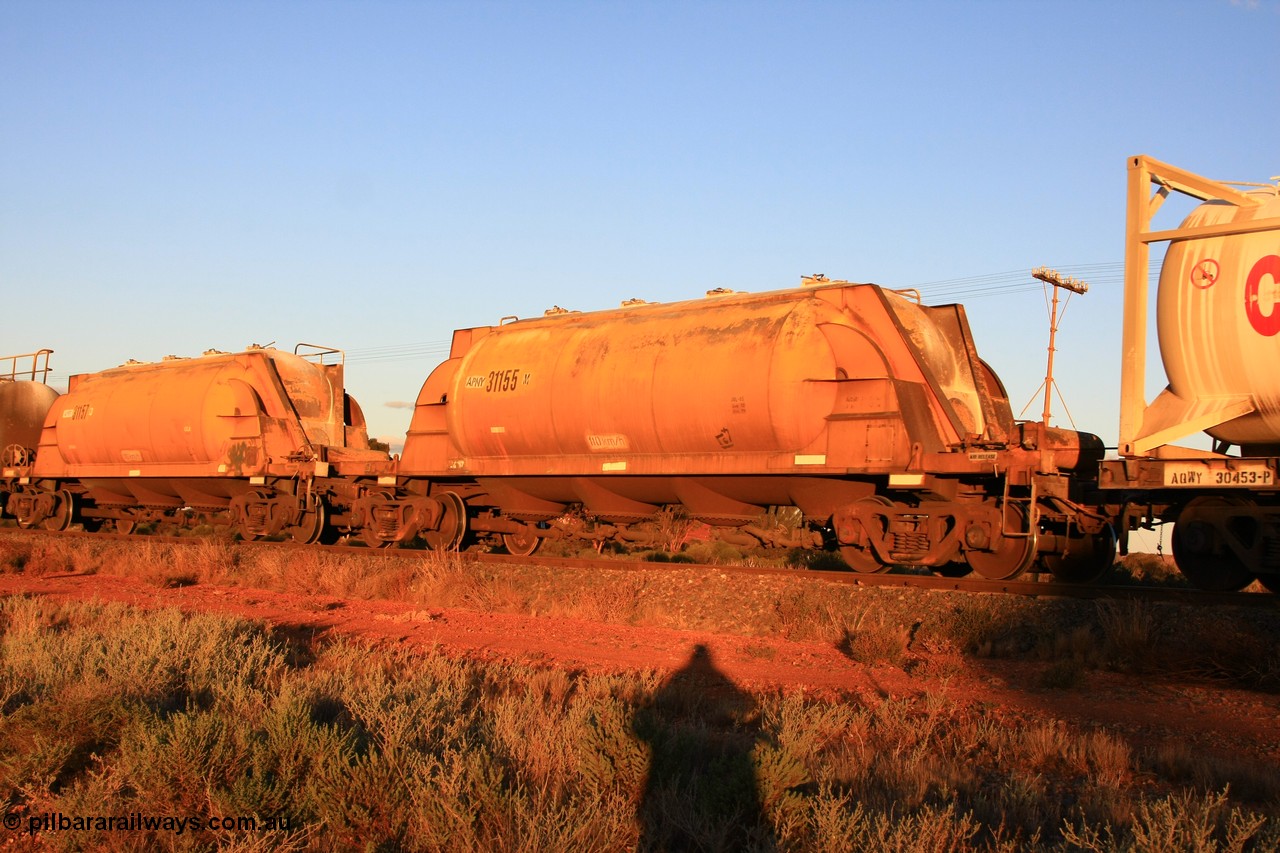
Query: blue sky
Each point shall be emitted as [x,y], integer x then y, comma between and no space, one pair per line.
[372,175]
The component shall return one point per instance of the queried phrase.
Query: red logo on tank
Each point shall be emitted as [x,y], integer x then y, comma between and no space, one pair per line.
[1269,323]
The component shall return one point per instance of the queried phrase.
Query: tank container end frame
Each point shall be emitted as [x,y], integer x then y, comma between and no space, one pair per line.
[1144,173]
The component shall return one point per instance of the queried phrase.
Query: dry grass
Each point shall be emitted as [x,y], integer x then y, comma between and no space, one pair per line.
[47,556]
[935,632]
[874,639]
[103,708]
[111,710]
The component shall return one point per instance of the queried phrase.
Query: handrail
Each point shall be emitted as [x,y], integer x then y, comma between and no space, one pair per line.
[39,365]
[317,352]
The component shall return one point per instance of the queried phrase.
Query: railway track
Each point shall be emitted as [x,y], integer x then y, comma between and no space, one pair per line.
[1030,586]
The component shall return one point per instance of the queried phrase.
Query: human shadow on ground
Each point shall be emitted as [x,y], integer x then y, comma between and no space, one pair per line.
[701,792]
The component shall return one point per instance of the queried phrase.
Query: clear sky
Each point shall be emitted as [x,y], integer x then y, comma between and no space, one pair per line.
[372,175]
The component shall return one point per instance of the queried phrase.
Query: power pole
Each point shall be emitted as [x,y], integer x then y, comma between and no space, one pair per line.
[1057,281]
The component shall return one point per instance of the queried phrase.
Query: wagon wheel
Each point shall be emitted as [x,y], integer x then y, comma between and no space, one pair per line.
[1202,556]
[1012,555]
[452,529]
[862,558]
[521,543]
[310,527]
[1087,557]
[62,515]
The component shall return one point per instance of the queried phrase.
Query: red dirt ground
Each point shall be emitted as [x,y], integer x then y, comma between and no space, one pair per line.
[1233,723]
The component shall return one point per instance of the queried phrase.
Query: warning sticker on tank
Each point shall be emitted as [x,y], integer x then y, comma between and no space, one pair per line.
[811,459]
[1242,475]
[599,443]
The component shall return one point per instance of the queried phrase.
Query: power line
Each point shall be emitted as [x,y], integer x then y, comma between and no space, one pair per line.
[398,352]
[953,289]
[942,290]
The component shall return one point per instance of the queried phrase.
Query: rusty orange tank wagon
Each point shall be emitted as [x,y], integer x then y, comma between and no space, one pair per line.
[864,419]
[269,437]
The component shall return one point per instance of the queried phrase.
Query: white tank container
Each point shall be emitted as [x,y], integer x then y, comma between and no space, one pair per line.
[1218,317]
